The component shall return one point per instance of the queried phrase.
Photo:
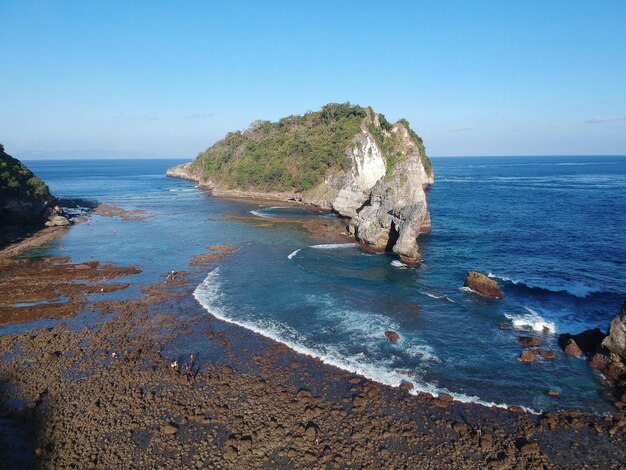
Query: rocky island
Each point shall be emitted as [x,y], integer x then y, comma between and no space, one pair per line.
[343,158]
[26,204]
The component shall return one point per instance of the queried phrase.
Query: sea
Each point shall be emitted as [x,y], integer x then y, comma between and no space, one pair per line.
[550,230]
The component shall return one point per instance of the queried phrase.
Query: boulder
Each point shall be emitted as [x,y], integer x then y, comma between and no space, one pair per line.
[482,285]
[527,356]
[616,339]
[588,341]
[392,336]
[546,353]
[572,349]
[528,341]
[406,386]
[57,221]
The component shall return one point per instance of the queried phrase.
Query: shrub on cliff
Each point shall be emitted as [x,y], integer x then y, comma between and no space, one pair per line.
[17,180]
[296,152]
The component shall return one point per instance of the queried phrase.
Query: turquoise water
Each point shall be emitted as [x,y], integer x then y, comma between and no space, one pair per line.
[552,231]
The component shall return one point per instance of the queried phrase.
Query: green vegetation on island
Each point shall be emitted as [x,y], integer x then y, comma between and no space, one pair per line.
[17,180]
[297,152]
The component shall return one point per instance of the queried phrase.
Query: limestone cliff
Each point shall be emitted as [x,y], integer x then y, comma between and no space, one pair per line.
[25,201]
[359,165]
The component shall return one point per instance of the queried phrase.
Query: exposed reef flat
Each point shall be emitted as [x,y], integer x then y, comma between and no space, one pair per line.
[107,397]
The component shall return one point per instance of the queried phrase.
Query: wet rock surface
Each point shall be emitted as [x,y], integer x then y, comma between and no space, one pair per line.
[616,339]
[483,285]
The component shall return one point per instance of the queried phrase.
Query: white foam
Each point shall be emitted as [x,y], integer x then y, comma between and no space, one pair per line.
[468,290]
[531,320]
[208,295]
[259,214]
[292,255]
[438,297]
[423,352]
[334,246]
[503,278]
[398,264]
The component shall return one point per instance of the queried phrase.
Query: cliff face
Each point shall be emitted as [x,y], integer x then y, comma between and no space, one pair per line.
[25,200]
[377,182]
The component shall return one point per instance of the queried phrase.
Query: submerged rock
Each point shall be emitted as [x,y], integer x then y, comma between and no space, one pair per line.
[483,285]
[528,341]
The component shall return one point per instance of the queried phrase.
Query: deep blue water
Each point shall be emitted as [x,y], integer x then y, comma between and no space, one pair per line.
[551,230]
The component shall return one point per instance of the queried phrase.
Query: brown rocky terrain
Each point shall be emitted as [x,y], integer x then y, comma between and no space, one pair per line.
[482,285]
[106,396]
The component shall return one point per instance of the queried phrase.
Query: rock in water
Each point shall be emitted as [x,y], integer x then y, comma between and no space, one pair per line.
[528,341]
[616,339]
[572,349]
[527,356]
[392,336]
[587,342]
[374,173]
[482,285]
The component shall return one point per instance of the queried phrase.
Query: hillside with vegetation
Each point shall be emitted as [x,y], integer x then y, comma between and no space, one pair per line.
[344,158]
[18,181]
[297,152]
[26,204]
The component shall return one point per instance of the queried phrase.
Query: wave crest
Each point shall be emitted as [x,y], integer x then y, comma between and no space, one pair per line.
[577,289]
[531,320]
[208,295]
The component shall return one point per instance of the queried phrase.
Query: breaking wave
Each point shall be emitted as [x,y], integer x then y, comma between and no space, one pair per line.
[531,320]
[577,289]
[293,254]
[209,296]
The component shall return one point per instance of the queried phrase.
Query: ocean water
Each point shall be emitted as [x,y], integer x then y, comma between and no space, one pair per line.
[550,230]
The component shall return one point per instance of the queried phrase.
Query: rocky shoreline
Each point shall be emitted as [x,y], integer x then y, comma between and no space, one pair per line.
[106,396]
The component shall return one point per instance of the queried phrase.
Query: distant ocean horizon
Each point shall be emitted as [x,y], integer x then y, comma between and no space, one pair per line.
[34,156]
[550,229]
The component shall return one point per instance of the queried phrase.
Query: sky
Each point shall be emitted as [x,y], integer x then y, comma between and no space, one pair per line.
[168,79]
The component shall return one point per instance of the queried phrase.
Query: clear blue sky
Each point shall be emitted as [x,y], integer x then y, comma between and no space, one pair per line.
[156,78]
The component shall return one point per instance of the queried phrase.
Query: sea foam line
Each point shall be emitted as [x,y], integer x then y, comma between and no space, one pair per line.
[293,254]
[209,289]
[438,297]
[334,246]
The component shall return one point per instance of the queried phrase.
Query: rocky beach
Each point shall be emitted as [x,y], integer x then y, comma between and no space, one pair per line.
[106,394]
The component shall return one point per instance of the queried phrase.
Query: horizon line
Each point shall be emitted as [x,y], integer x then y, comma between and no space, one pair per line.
[29,158]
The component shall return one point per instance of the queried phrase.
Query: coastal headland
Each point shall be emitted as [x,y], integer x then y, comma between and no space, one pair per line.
[343,158]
